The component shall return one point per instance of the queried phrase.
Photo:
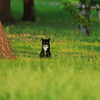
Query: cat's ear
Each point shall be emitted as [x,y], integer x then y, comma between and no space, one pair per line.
[49,39]
[42,39]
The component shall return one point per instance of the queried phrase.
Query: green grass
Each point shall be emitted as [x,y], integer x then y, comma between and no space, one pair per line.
[73,71]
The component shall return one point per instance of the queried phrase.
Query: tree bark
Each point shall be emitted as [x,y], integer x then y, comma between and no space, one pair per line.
[5,49]
[5,11]
[29,12]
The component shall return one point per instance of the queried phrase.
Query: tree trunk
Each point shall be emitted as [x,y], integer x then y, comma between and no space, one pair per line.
[5,11]
[29,14]
[5,49]
[88,17]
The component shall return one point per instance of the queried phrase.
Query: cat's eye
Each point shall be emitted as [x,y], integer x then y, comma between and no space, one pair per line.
[45,42]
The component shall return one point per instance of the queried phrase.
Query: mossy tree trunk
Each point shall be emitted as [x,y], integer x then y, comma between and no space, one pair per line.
[5,11]
[29,12]
[5,49]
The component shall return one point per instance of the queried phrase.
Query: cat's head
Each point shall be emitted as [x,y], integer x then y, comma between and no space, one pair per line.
[45,41]
[46,44]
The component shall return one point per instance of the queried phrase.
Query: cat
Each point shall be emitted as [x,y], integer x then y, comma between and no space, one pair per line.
[45,51]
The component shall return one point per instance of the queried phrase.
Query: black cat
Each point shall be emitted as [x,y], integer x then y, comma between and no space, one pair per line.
[45,51]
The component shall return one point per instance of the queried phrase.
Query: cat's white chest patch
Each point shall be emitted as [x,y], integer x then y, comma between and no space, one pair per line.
[45,47]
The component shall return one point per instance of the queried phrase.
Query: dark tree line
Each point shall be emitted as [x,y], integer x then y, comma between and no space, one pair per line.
[5,11]
[28,6]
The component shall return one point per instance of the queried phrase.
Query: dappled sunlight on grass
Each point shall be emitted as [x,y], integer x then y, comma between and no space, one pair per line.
[72,72]
[28,45]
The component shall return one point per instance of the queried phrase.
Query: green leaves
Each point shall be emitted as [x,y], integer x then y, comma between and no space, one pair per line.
[94,2]
[84,1]
[80,18]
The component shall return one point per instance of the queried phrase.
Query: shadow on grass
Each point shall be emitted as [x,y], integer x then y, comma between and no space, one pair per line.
[26,53]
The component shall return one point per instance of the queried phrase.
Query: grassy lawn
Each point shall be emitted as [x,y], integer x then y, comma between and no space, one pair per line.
[73,71]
